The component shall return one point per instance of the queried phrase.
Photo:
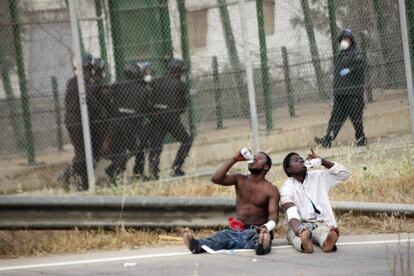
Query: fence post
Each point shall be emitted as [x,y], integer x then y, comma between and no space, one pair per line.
[82,95]
[232,53]
[58,115]
[249,75]
[27,120]
[11,101]
[186,57]
[288,84]
[314,50]
[407,60]
[264,65]
[410,20]
[368,85]
[101,33]
[165,31]
[332,27]
[379,12]
[217,94]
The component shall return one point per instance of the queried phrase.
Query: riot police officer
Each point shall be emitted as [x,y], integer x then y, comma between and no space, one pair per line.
[348,91]
[92,70]
[130,101]
[169,102]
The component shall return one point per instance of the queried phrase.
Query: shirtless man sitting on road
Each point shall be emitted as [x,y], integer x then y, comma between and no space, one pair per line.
[257,208]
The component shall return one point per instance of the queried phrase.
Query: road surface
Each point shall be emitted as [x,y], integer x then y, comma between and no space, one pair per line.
[356,255]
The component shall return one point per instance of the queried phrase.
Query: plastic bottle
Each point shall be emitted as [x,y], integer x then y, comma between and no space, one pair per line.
[247,154]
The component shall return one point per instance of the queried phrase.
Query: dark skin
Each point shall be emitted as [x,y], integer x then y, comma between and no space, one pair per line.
[298,171]
[257,200]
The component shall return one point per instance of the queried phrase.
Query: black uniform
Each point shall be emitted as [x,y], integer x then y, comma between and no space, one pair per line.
[169,102]
[348,92]
[130,101]
[73,123]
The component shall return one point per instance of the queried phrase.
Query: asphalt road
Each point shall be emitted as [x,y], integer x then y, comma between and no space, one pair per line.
[356,255]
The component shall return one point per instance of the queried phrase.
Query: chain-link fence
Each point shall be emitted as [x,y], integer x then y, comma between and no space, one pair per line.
[166,86]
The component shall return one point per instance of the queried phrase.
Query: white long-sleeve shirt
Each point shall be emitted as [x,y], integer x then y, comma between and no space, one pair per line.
[314,189]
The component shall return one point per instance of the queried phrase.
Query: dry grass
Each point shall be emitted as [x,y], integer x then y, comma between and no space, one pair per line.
[378,175]
[39,243]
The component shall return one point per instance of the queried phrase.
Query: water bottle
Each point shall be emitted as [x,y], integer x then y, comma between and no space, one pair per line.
[313,163]
[247,154]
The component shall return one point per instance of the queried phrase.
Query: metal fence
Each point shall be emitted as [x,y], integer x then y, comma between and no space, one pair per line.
[180,122]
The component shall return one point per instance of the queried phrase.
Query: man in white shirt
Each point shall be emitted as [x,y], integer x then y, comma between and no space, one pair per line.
[305,198]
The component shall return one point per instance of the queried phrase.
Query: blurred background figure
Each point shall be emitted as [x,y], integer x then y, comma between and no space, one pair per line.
[169,102]
[130,101]
[93,73]
[348,91]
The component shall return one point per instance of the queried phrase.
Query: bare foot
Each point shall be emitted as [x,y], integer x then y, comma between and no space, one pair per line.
[307,245]
[330,241]
[264,238]
[188,236]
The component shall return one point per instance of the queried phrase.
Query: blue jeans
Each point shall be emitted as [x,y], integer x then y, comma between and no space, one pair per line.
[233,239]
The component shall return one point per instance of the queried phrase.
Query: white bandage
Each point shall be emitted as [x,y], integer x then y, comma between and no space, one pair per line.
[292,213]
[270,225]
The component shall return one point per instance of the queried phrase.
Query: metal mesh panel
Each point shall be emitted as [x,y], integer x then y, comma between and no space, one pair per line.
[195,112]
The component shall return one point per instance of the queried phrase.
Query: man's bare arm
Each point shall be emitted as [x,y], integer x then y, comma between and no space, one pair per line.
[274,205]
[221,177]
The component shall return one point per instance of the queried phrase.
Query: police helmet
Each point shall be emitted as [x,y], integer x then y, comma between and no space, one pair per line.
[87,60]
[345,33]
[137,70]
[177,66]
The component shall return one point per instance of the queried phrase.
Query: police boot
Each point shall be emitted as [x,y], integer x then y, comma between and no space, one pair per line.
[362,142]
[81,184]
[325,141]
[177,171]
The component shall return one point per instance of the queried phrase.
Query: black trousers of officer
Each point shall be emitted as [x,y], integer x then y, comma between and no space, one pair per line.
[79,162]
[163,124]
[346,106]
[144,143]
[123,135]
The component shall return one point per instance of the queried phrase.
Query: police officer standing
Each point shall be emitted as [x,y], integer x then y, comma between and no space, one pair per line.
[348,91]
[169,102]
[92,68]
[130,101]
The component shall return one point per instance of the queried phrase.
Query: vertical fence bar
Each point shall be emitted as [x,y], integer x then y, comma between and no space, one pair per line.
[368,84]
[379,12]
[264,65]
[249,75]
[407,59]
[186,57]
[409,5]
[165,31]
[232,53]
[11,101]
[27,119]
[101,32]
[332,27]
[288,84]
[58,115]
[217,93]
[82,96]
[316,61]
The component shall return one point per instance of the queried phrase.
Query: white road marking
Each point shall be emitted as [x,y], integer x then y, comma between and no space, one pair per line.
[137,257]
